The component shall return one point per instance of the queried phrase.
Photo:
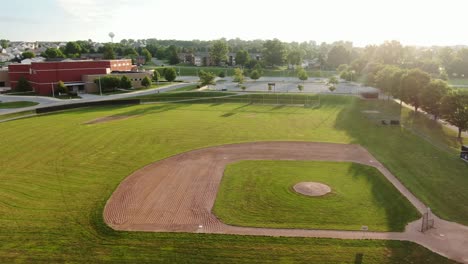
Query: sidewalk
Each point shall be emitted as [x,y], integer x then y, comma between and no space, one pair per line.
[440,121]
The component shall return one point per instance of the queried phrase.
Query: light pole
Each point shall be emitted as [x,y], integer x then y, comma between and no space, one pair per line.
[53,92]
[100,89]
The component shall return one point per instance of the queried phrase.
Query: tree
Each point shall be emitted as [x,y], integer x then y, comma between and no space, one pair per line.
[443,75]
[454,109]
[4,43]
[446,56]
[28,55]
[156,76]
[147,54]
[338,55]
[125,82]
[274,52]
[170,74]
[52,53]
[61,88]
[370,72]
[332,80]
[146,82]
[238,76]
[258,68]
[242,57]
[331,83]
[384,79]
[342,68]
[108,52]
[431,97]
[397,91]
[130,52]
[206,78]
[302,75]
[390,52]
[295,56]
[255,75]
[219,51]
[72,49]
[300,87]
[108,83]
[413,84]
[23,85]
[172,55]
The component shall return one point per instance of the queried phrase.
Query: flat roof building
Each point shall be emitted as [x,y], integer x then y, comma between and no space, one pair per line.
[44,76]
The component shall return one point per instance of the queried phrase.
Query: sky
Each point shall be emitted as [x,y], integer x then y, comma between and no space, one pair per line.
[363,22]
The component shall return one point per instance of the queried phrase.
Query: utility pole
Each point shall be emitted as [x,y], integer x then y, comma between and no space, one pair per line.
[53,92]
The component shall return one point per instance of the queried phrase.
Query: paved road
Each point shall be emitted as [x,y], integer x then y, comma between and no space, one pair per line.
[289,85]
[50,101]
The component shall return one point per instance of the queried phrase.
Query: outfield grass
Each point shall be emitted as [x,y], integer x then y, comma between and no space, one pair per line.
[57,173]
[261,194]
[17,104]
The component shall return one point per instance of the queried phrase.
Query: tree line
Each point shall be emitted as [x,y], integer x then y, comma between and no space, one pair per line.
[441,62]
[419,89]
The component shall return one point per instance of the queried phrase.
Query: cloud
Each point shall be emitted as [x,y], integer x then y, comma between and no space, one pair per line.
[93,10]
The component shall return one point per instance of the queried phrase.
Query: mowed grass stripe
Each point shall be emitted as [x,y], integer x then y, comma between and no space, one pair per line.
[260,194]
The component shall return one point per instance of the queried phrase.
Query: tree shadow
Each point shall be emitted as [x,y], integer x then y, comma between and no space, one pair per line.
[228,114]
[398,210]
[418,163]
[358,258]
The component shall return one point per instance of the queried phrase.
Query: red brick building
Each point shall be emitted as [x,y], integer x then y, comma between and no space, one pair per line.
[44,76]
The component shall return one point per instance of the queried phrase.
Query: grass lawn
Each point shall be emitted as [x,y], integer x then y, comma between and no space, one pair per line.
[170,96]
[57,173]
[261,194]
[458,81]
[13,115]
[190,87]
[17,104]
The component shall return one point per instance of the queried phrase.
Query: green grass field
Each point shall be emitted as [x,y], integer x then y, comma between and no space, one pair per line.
[17,104]
[261,194]
[190,87]
[458,81]
[57,173]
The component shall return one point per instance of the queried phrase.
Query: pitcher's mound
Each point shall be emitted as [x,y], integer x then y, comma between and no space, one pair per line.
[312,188]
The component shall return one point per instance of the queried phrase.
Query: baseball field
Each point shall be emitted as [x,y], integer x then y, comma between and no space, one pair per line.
[58,172]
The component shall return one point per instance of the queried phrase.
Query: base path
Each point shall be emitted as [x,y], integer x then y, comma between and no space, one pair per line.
[177,195]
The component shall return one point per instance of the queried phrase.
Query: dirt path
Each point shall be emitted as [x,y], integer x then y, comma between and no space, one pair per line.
[178,193]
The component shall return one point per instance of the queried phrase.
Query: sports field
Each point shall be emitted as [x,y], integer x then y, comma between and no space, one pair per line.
[261,194]
[56,173]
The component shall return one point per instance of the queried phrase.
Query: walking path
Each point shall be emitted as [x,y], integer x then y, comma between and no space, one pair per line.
[440,121]
[177,195]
